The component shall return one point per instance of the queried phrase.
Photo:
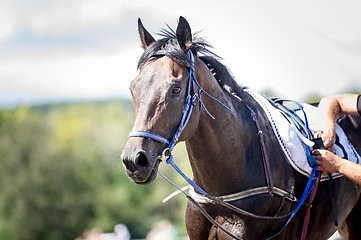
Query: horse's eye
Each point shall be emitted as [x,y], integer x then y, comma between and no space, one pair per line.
[176,90]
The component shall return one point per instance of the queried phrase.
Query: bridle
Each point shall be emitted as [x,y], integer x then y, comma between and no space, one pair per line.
[187,112]
[167,157]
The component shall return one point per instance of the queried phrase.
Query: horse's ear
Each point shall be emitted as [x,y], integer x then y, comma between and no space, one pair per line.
[145,36]
[184,34]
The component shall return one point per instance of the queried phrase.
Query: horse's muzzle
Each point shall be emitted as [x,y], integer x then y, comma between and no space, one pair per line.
[140,166]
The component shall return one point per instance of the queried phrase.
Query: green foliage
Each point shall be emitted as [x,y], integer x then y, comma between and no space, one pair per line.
[313,99]
[61,174]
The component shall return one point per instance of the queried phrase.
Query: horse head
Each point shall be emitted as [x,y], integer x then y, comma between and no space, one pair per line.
[159,93]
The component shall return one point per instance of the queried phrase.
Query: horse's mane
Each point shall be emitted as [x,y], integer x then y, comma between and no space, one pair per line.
[223,75]
[201,48]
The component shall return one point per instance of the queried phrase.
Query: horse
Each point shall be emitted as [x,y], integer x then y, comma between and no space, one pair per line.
[224,146]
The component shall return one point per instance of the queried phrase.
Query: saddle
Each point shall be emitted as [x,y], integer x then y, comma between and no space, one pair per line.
[292,125]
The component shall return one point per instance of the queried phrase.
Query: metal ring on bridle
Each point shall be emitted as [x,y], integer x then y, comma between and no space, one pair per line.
[165,154]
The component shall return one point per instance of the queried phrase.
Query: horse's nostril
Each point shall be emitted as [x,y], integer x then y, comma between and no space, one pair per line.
[142,160]
[128,164]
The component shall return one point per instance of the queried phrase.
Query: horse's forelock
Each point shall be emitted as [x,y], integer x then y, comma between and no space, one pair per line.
[169,46]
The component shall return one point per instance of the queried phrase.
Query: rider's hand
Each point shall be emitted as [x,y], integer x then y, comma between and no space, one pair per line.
[328,161]
[328,137]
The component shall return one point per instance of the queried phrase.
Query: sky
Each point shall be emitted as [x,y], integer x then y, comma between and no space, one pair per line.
[66,50]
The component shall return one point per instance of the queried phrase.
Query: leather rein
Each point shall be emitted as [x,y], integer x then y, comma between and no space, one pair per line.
[204,197]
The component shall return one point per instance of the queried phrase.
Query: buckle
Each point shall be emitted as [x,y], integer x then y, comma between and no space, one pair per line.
[165,154]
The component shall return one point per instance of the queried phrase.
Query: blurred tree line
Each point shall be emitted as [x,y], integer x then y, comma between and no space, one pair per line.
[61,174]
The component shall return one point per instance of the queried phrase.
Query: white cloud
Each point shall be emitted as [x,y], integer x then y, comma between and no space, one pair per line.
[91,47]
[65,17]
[8,24]
[57,17]
[69,75]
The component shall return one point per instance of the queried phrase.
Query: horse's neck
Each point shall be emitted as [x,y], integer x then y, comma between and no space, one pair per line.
[217,151]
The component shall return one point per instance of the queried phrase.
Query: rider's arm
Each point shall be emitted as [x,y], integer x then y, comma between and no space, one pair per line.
[334,106]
